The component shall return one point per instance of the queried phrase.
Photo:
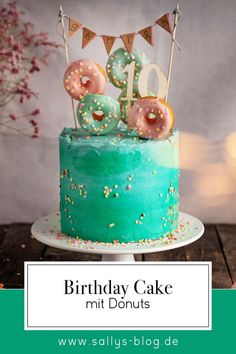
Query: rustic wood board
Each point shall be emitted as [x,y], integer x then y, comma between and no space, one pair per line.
[207,248]
[3,230]
[138,257]
[217,245]
[177,255]
[54,254]
[17,247]
[227,237]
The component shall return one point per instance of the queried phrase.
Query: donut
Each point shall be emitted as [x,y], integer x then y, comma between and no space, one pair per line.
[98,114]
[151,117]
[84,76]
[117,62]
[124,104]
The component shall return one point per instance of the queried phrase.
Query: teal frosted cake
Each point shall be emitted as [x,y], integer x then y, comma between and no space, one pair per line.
[119,171]
[118,187]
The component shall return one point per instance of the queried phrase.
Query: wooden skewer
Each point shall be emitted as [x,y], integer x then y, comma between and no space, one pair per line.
[172,50]
[67,60]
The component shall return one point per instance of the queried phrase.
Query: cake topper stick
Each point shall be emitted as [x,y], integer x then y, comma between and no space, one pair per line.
[62,16]
[173,42]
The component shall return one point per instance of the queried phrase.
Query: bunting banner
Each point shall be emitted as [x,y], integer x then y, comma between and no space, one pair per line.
[147,34]
[74,26]
[127,38]
[108,42]
[87,37]
[164,22]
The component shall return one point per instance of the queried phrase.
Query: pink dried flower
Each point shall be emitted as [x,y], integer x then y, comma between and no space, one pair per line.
[35,136]
[12,116]
[35,65]
[36,132]
[34,122]
[22,51]
[15,70]
[35,112]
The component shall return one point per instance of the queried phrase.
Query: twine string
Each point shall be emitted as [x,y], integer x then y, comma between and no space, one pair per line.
[178,13]
[61,14]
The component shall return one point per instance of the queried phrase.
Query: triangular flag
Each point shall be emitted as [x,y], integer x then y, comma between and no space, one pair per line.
[88,36]
[146,33]
[164,22]
[108,42]
[128,39]
[73,27]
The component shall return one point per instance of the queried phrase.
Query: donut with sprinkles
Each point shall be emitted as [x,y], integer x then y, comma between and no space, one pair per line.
[151,117]
[84,76]
[124,103]
[117,62]
[98,114]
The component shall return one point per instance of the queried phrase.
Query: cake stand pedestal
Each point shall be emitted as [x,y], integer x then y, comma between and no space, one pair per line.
[47,230]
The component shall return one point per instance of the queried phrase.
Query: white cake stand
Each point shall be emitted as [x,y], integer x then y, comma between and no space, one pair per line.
[47,230]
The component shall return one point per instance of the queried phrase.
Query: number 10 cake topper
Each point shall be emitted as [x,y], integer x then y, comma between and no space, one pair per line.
[127,69]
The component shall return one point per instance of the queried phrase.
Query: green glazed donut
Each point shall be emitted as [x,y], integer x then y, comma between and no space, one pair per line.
[124,104]
[98,114]
[117,62]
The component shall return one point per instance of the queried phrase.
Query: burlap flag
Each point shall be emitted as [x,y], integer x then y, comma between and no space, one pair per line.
[73,27]
[147,34]
[88,36]
[108,42]
[128,39]
[164,22]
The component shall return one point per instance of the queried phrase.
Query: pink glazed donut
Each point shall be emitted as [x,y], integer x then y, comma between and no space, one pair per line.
[151,117]
[84,76]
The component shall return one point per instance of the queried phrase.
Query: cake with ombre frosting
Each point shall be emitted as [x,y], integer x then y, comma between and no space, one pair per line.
[118,187]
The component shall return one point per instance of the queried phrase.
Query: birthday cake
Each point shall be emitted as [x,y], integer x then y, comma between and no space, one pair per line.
[116,187]
[119,170]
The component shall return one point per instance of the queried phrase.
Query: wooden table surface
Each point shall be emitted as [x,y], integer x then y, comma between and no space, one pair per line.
[217,245]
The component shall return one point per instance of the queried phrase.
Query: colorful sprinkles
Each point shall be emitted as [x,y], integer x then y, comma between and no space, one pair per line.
[84,76]
[98,114]
[109,191]
[77,196]
[50,228]
[119,60]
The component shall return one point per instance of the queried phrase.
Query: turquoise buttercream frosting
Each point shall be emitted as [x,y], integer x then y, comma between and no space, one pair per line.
[118,186]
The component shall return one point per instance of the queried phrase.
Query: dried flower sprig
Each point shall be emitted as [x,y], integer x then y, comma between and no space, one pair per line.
[22,51]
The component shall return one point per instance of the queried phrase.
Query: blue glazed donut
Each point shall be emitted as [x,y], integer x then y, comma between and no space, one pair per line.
[117,62]
[98,114]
